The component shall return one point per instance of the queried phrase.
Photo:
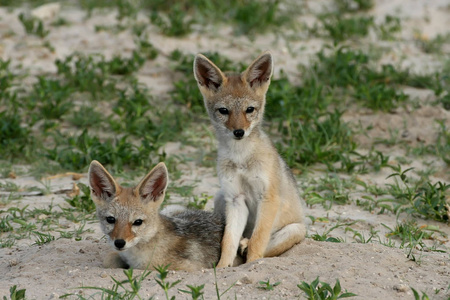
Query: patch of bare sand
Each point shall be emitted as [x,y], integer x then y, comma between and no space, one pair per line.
[372,271]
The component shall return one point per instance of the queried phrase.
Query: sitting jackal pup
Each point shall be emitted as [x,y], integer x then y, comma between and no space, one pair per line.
[143,236]
[258,194]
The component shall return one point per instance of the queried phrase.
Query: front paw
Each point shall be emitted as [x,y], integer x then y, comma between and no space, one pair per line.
[253,257]
[223,263]
[251,253]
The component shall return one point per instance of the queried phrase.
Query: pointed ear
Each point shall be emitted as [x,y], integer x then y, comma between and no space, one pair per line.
[207,74]
[103,185]
[154,184]
[259,72]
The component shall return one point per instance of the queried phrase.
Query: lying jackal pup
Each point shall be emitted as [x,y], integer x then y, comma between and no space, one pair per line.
[143,236]
[258,194]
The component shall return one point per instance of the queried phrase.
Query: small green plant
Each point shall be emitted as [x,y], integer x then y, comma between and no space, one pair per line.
[163,271]
[175,23]
[412,238]
[76,152]
[251,16]
[185,191]
[15,294]
[51,98]
[82,203]
[147,49]
[218,293]
[317,140]
[199,202]
[354,5]
[88,73]
[408,231]
[321,290]
[266,285]
[126,9]
[42,238]
[85,116]
[421,198]
[7,243]
[247,17]
[60,21]
[443,143]
[324,237]
[195,291]
[125,289]
[339,28]
[123,66]
[389,27]
[418,297]
[33,25]
[379,96]
[360,237]
[433,45]
[5,226]
[15,138]
[130,112]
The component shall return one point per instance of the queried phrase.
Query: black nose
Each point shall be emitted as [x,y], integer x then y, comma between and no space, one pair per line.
[119,244]
[239,133]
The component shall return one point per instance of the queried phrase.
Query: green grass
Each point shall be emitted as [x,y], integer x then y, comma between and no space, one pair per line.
[33,25]
[351,6]
[320,140]
[317,290]
[433,45]
[82,203]
[340,28]
[248,17]
[16,294]
[420,198]
[176,18]
[129,287]
[325,236]
[267,286]
[175,23]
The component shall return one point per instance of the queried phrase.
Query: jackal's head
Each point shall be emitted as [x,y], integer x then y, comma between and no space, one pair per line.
[235,102]
[128,215]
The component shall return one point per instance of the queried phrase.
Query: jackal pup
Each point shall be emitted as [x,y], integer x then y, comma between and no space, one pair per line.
[143,236]
[258,195]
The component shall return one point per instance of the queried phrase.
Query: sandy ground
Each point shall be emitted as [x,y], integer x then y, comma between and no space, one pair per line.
[372,271]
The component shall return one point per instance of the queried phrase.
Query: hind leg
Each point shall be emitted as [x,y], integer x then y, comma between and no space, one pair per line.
[285,238]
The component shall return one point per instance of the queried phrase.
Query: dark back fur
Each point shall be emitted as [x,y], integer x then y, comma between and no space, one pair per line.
[200,235]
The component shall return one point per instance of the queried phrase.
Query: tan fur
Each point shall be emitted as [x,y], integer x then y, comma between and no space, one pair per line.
[258,195]
[144,237]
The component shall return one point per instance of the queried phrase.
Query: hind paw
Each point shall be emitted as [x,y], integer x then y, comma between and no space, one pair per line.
[243,244]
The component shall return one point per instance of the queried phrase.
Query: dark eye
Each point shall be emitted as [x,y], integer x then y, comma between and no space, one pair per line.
[250,109]
[223,111]
[138,222]
[111,220]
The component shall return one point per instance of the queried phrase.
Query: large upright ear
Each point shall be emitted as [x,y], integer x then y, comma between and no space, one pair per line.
[154,184]
[259,72]
[103,185]
[207,74]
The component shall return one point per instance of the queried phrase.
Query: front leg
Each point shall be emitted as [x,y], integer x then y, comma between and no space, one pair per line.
[265,218]
[236,216]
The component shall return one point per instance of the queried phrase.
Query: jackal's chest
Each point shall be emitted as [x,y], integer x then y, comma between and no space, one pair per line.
[248,178]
